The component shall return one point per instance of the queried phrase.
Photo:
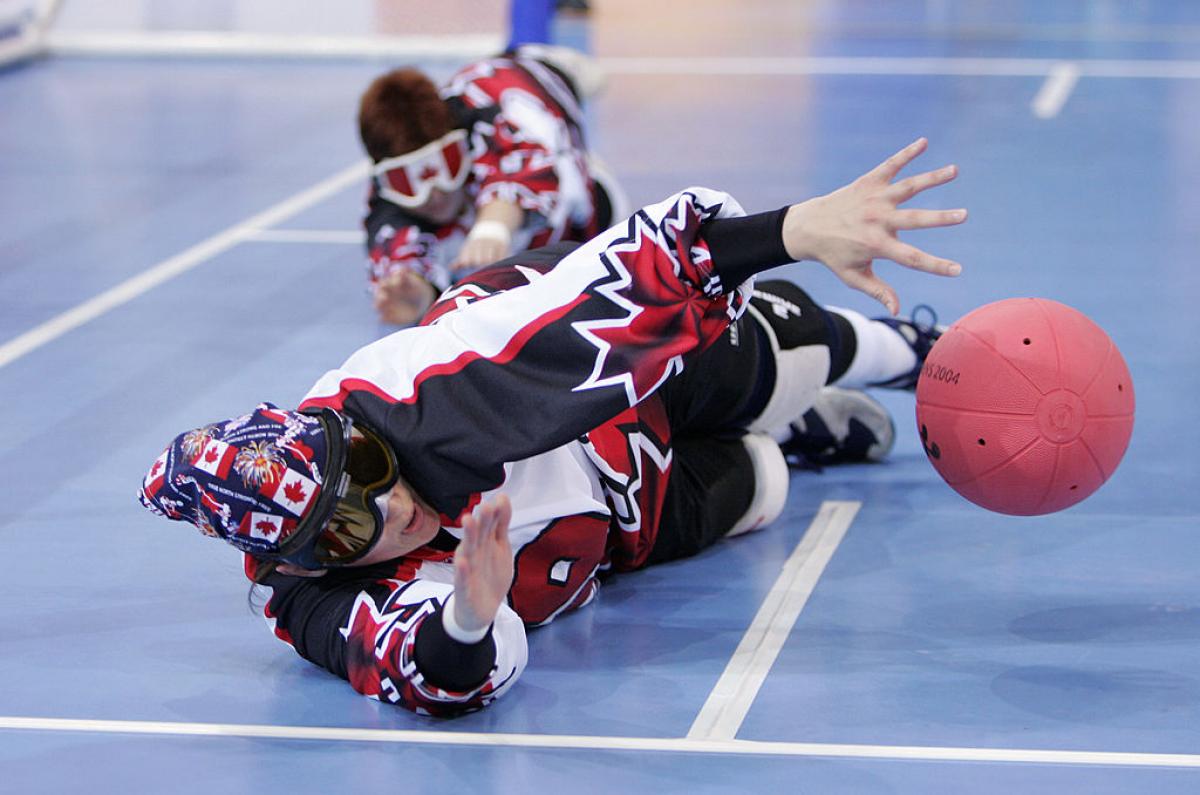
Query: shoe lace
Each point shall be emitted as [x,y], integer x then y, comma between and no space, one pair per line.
[931,328]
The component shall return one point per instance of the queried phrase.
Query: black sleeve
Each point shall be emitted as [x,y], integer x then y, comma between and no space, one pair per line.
[448,663]
[387,639]
[742,247]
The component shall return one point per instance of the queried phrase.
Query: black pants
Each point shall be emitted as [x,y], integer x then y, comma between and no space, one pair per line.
[711,403]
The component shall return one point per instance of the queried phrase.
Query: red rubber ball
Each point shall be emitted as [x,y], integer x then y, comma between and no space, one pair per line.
[1025,406]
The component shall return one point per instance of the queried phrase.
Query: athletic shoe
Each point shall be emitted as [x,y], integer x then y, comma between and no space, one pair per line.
[920,337]
[844,426]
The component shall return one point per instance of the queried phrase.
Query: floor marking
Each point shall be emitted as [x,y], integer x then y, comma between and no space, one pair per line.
[1056,90]
[180,263]
[973,67]
[231,44]
[731,698]
[466,46]
[338,236]
[570,741]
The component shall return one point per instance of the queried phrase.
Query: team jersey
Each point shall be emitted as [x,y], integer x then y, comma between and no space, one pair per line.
[526,139]
[536,379]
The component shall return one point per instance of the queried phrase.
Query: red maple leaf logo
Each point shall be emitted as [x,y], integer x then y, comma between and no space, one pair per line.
[294,492]
[429,172]
[664,312]
[210,455]
[154,469]
[267,528]
[671,323]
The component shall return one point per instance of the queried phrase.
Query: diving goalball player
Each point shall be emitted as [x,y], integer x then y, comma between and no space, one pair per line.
[569,411]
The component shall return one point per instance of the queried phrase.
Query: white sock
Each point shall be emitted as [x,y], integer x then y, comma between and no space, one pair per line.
[881,353]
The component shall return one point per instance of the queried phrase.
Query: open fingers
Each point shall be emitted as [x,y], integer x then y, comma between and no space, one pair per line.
[888,169]
[915,258]
[908,187]
[926,219]
[867,282]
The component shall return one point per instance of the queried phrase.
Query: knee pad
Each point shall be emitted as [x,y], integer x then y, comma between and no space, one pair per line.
[771,481]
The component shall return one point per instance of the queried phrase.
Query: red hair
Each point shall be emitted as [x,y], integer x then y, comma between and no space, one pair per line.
[401,111]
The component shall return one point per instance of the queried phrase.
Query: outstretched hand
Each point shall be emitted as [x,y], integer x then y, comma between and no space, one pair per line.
[483,565]
[847,229]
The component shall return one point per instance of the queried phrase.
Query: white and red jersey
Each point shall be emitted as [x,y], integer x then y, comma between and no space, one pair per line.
[364,626]
[536,379]
[525,129]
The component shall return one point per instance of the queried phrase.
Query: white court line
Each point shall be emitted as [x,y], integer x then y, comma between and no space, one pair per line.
[191,44]
[972,67]
[180,263]
[1056,90]
[572,741]
[336,236]
[465,46]
[730,700]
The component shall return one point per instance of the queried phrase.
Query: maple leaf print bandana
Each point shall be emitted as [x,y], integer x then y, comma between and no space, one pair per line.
[249,480]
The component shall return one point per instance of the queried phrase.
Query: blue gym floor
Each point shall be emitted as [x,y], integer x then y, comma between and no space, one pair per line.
[178,241]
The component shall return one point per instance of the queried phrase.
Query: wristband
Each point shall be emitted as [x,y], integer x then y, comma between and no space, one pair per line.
[746,245]
[455,631]
[491,230]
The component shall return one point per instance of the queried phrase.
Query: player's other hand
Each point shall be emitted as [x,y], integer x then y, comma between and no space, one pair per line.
[478,252]
[487,242]
[847,229]
[402,297]
[490,238]
[483,565]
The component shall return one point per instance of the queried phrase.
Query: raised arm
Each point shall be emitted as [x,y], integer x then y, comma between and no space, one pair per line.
[512,373]
[483,570]
[423,645]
